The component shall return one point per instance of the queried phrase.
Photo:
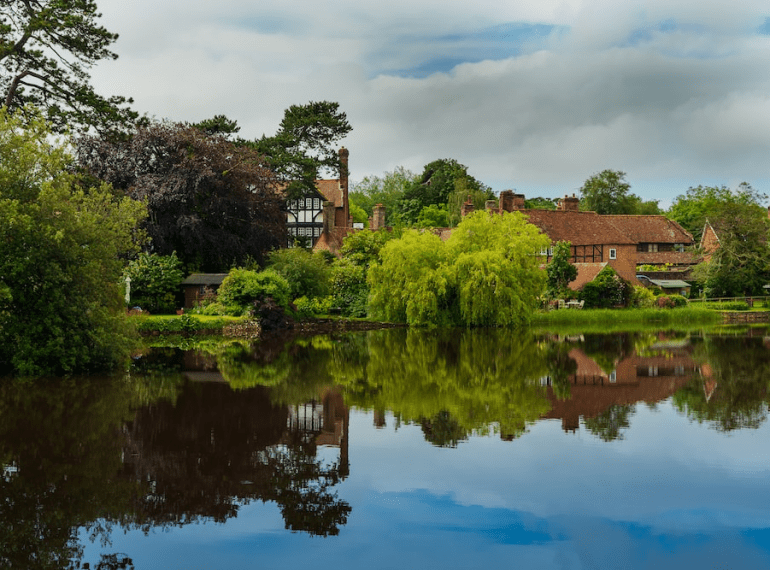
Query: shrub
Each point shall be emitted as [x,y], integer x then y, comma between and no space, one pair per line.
[678,300]
[607,290]
[664,302]
[242,287]
[311,307]
[155,282]
[307,273]
[350,288]
[642,297]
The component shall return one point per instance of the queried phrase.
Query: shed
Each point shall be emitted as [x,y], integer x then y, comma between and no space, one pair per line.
[199,284]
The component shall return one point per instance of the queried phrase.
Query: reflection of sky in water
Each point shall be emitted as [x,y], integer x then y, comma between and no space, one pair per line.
[672,494]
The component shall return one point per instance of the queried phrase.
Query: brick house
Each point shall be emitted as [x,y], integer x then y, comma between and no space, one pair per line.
[198,285]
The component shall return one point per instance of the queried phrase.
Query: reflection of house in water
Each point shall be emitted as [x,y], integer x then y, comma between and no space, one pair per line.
[655,376]
[324,423]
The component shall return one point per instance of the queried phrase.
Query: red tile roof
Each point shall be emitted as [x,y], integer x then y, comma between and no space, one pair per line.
[587,272]
[651,229]
[578,228]
[331,191]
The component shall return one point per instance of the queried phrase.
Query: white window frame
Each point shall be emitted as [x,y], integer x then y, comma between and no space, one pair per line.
[613,253]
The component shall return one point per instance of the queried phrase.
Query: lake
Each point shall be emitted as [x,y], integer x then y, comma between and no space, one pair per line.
[398,449]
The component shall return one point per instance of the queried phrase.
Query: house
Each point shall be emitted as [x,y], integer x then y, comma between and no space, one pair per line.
[625,243]
[199,285]
[326,205]
[709,241]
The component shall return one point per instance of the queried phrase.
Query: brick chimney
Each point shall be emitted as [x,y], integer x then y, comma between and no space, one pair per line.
[329,214]
[518,202]
[344,153]
[506,201]
[378,218]
[569,204]
[467,208]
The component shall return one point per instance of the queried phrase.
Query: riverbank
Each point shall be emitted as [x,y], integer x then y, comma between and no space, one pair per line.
[612,317]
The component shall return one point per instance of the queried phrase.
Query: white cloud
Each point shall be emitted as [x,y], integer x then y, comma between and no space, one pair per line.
[663,90]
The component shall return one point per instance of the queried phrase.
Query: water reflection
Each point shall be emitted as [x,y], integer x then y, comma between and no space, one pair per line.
[192,436]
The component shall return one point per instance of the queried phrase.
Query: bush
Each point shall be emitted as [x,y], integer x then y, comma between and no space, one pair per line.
[607,290]
[664,302]
[678,300]
[642,297]
[350,288]
[729,306]
[311,307]
[242,287]
[307,273]
[155,282]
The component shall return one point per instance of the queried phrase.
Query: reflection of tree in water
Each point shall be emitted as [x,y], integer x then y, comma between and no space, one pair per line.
[451,382]
[60,454]
[217,449]
[732,390]
[608,349]
[609,425]
[442,430]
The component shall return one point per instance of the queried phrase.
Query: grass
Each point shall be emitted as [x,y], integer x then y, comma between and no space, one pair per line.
[184,323]
[615,317]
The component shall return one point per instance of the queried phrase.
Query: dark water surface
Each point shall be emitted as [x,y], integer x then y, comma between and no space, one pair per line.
[398,449]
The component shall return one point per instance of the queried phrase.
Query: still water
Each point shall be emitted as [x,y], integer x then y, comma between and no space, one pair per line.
[398,449]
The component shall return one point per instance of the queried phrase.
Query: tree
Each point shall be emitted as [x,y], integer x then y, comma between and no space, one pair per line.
[607,193]
[212,202]
[485,274]
[467,187]
[218,125]
[387,190]
[540,203]
[607,290]
[46,50]
[305,144]
[701,203]
[560,271]
[741,263]
[433,216]
[307,273]
[437,183]
[155,281]
[61,304]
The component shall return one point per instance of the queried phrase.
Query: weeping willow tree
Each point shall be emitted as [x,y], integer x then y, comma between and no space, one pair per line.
[486,274]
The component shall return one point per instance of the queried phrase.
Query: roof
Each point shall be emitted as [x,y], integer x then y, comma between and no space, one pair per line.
[669,283]
[331,191]
[578,228]
[332,241]
[205,279]
[651,229]
[587,272]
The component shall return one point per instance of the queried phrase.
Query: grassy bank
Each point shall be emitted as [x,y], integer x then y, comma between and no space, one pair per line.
[615,317]
[184,323]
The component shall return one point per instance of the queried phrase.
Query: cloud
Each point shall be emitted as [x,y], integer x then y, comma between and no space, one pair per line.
[527,95]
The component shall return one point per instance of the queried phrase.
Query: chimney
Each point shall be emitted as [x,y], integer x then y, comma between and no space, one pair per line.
[506,201]
[467,208]
[329,213]
[518,201]
[490,206]
[378,217]
[569,204]
[343,152]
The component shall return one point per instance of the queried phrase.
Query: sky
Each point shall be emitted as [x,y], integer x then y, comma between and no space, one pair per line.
[534,95]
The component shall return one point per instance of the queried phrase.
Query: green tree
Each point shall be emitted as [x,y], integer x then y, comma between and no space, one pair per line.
[305,144]
[560,271]
[467,187]
[701,203]
[209,200]
[155,282]
[433,216]
[307,273]
[437,183]
[608,193]
[540,203]
[46,50]
[61,303]
[218,125]
[741,263]
[485,274]
[387,190]
[607,290]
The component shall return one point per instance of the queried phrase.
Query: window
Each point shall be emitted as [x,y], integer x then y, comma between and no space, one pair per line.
[679,247]
[652,247]
[613,377]
[613,253]
[316,203]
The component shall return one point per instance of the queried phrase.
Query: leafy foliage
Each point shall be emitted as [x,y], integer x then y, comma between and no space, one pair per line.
[608,193]
[307,273]
[607,290]
[741,263]
[433,216]
[560,271]
[46,50]
[702,203]
[387,190]
[305,144]
[485,274]
[242,287]
[61,304]
[155,281]
[350,290]
[210,201]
